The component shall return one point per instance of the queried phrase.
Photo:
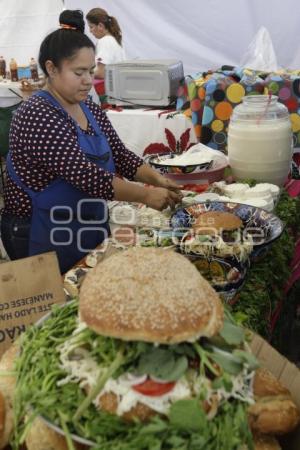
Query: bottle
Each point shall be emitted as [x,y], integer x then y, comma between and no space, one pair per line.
[260,140]
[34,69]
[13,66]
[2,67]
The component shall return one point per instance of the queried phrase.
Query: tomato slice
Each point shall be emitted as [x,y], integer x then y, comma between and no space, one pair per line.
[153,388]
[196,187]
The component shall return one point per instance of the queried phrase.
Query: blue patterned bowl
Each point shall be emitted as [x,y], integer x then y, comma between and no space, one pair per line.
[226,276]
[157,161]
[263,226]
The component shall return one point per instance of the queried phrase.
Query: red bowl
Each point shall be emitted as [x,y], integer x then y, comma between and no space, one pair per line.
[205,177]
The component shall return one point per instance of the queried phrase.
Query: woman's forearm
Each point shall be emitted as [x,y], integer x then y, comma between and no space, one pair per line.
[127,191]
[146,174]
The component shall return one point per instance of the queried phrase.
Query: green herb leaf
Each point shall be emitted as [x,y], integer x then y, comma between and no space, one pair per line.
[162,363]
[232,334]
[187,415]
[228,361]
[224,381]
[248,358]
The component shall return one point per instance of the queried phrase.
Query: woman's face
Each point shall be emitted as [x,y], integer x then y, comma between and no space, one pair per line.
[74,78]
[97,30]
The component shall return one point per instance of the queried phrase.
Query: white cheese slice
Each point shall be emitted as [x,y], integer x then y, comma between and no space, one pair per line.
[257,191]
[219,184]
[224,198]
[187,201]
[273,188]
[257,202]
[206,196]
[237,200]
[235,189]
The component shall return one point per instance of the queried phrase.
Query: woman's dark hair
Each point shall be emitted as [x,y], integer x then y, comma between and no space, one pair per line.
[73,18]
[99,15]
[66,41]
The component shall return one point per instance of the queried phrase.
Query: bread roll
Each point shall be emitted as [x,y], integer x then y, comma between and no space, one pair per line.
[41,437]
[148,294]
[274,411]
[274,415]
[212,222]
[2,415]
[7,388]
[263,442]
[266,384]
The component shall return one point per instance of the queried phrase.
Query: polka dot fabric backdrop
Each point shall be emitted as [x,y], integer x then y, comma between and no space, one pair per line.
[209,99]
[287,87]
[191,97]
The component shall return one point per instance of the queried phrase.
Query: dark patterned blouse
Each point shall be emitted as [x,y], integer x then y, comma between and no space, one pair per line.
[43,144]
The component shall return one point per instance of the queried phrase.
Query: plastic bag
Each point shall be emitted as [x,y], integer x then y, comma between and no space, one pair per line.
[260,54]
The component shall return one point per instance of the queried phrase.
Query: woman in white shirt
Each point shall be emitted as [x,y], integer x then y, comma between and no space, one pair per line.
[109,48]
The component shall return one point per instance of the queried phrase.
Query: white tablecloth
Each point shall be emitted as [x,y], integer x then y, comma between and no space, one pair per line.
[10,93]
[138,128]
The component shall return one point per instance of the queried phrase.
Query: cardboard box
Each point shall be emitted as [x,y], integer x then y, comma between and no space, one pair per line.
[287,373]
[28,289]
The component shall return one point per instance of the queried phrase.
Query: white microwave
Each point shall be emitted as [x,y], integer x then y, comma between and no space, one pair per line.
[143,82]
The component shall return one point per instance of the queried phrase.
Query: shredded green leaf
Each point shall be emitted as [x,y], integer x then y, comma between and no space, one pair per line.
[267,278]
[69,407]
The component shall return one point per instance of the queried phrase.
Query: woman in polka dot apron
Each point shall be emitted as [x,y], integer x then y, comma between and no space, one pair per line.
[64,160]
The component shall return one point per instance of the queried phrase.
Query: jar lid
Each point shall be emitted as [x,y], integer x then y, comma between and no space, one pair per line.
[259,108]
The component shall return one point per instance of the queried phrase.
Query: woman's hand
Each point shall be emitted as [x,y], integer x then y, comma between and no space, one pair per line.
[169,184]
[147,175]
[167,193]
[161,198]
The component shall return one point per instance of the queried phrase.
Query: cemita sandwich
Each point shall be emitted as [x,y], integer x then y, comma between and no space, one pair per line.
[145,360]
[220,234]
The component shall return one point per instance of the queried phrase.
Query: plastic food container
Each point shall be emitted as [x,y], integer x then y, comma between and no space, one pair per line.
[260,140]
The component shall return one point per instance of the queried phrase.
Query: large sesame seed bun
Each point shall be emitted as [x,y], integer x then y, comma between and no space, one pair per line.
[151,295]
[7,391]
[211,221]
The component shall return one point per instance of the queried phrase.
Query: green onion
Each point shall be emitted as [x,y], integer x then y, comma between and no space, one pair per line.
[100,384]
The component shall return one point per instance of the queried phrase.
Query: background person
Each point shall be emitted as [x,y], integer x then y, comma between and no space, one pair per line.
[107,31]
[64,159]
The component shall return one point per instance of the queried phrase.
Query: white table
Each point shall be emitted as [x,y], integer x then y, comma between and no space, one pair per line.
[138,128]
[10,93]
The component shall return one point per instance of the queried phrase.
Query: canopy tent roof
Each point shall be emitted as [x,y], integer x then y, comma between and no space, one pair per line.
[204,35]
[24,24]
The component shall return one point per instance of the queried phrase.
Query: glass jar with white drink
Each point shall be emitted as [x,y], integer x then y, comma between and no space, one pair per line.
[260,140]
